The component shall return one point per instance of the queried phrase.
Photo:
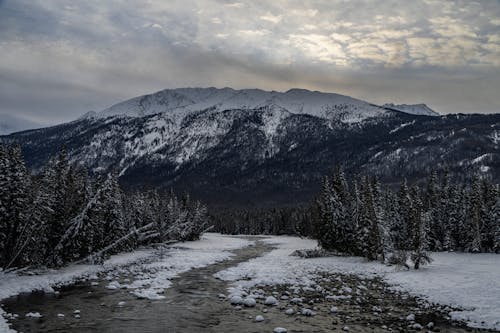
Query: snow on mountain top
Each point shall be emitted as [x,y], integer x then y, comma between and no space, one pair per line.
[301,101]
[417,109]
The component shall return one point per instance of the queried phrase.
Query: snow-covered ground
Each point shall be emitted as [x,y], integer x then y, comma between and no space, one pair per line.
[149,280]
[469,281]
[151,268]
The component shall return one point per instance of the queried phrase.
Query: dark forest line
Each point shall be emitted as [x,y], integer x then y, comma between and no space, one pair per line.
[359,216]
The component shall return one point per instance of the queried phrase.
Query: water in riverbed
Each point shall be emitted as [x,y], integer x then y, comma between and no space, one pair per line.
[192,304]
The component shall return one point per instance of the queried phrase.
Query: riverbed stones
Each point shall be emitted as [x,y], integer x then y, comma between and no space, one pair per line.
[271,300]
[236,300]
[249,302]
[259,318]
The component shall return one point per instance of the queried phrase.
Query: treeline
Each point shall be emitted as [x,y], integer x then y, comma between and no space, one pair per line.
[260,221]
[358,217]
[60,215]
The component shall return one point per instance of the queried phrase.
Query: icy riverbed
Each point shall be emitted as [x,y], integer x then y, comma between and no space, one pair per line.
[183,282]
[148,271]
[467,281]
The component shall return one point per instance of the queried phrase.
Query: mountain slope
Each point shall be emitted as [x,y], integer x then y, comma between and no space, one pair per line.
[264,155]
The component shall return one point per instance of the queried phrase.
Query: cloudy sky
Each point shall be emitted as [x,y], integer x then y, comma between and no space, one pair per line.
[59,58]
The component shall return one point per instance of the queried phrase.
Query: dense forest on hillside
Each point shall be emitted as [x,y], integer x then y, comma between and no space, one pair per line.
[60,215]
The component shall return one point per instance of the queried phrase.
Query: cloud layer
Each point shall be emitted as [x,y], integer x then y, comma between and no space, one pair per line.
[62,58]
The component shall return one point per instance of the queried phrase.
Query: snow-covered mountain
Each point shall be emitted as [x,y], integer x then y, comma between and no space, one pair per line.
[416,109]
[10,124]
[225,145]
[298,101]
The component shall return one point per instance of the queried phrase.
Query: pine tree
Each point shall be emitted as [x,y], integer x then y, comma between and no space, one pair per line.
[419,224]
[405,205]
[346,224]
[326,228]
[462,230]
[452,218]
[443,212]
[432,207]
[369,228]
[34,242]
[496,217]
[489,195]
[56,177]
[394,222]
[4,199]
[14,196]
[114,226]
[390,222]
[474,222]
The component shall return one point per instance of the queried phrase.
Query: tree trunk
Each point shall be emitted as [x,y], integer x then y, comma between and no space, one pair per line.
[417,264]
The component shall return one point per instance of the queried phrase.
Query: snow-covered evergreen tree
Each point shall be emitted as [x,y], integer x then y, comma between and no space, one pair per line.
[326,229]
[405,204]
[345,224]
[473,219]
[496,217]
[432,205]
[14,196]
[394,223]
[419,231]
[489,194]
[4,198]
[386,242]
[370,244]
[452,218]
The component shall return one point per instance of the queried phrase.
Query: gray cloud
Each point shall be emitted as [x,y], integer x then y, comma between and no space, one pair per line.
[61,58]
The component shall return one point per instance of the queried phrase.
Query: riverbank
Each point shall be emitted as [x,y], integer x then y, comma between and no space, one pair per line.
[148,270]
[222,282]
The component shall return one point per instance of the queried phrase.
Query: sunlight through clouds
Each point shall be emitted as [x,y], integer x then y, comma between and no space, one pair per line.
[117,49]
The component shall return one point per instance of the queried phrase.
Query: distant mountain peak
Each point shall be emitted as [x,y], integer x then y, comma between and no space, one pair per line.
[298,101]
[416,109]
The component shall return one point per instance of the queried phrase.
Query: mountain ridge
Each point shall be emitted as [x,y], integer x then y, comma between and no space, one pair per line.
[299,101]
[263,154]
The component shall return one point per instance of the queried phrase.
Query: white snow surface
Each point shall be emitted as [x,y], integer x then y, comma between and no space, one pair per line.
[12,284]
[468,281]
[186,100]
[152,269]
[182,125]
[151,279]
